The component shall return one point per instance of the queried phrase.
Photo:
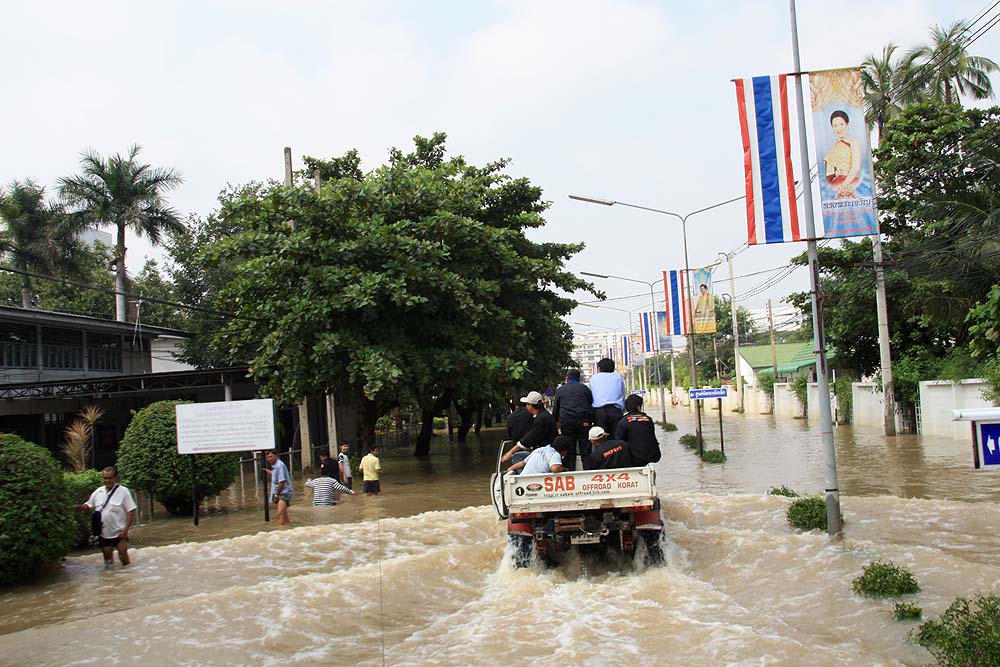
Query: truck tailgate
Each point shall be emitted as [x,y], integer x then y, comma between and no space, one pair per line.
[580,490]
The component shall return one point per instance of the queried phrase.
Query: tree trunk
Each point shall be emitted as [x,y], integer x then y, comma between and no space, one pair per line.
[26,294]
[423,448]
[466,413]
[368,414]
[120,277]
[479,420]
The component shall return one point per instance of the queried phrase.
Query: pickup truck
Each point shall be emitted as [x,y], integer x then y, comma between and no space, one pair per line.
[589,509]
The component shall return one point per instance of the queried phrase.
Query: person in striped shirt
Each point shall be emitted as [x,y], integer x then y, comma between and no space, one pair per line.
[323,489]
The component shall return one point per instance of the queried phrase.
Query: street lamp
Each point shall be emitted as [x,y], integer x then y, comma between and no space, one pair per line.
[687,272]
[652,303]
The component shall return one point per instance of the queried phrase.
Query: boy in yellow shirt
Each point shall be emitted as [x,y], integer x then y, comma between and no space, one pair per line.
[371,469]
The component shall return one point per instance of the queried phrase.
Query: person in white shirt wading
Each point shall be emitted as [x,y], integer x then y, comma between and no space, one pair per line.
[116,509]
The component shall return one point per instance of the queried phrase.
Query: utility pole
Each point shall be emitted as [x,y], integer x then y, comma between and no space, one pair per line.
[715,351]
[774,349]
[831,489]
[736,331]
[884,347]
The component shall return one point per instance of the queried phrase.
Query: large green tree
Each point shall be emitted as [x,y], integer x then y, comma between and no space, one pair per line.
[33,237]
[413,284]
[122,191]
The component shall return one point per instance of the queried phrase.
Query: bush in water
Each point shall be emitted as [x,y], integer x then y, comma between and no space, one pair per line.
[689,440]
[667,426]
[439,423]
[713,456]
[904,611]
[885,579]
[968,633]
[807,514]
[148,460]
[783,491]
[36,523]
[79,486]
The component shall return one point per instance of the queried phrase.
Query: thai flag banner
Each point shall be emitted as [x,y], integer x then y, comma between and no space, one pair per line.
[772,212]
[647,327]
[674,292]
[626,351]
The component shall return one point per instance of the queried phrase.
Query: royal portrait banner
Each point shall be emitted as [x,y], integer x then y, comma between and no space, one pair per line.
[703,302]
[846,183]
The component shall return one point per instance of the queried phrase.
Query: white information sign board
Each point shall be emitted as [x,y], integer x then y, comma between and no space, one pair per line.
[225,426]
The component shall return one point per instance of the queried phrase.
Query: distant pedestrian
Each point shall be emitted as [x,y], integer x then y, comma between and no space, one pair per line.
[281,486]
[323,489]
[608,389]
[371,471]
[344,461]
[328,466]
[113,503]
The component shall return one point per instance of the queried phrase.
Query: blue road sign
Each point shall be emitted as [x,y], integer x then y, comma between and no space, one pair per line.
[988,435]
[702,394]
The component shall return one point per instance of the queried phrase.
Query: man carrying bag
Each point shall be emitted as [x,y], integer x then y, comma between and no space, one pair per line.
[114,513]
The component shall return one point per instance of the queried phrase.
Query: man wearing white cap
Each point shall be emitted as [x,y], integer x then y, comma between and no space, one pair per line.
[543,426]
[606,453]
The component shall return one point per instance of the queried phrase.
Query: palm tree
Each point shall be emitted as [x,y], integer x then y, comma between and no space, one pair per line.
[882,82]
[33,237]
[943,70]
[124,192]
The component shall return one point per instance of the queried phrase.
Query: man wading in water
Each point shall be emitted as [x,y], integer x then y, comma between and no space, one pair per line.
[113,502]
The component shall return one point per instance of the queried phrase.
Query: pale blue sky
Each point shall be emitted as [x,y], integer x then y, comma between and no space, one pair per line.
[623,100]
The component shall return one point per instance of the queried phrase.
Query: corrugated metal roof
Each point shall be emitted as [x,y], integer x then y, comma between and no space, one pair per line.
[52,318]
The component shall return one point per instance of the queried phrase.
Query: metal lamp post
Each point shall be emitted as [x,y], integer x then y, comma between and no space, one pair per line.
[687,272]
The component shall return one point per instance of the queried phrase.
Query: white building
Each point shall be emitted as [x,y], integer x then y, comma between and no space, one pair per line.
[589,347]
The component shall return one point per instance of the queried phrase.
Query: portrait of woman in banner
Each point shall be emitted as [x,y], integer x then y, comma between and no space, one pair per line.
[704,305]
[842,163]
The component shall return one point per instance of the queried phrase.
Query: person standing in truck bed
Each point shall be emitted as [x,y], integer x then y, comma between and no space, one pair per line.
[573,411]
[608,389]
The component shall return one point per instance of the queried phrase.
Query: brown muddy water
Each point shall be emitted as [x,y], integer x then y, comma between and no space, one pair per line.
[422,570]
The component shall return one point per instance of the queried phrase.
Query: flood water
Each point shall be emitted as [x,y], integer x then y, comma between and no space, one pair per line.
[419,576]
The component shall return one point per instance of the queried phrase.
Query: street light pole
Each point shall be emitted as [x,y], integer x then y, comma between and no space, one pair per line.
[736,330]
[652,303]
[687,272]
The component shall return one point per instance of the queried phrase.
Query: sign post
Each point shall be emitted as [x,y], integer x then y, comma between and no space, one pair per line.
[717,393]
[224,426]
[985,435]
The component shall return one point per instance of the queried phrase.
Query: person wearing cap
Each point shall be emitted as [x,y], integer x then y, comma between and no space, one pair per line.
[543,427]
[547,459]
[573,411]
[608,390]
[606,453]
[637,429]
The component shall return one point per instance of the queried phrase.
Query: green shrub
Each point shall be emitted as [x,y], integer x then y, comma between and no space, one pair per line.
[807,514]
[79,486]
[713,456]
[885,579]
[967,634]
[766,382]
[783,491]
[845,398]
[905,611]
[440,422]
[36,523]
[148,460]
[667,426]
[689,440]
[800,387]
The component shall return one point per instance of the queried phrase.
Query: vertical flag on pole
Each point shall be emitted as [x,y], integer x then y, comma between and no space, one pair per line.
[675,291]
[772,214]
[647,326]
[626,351]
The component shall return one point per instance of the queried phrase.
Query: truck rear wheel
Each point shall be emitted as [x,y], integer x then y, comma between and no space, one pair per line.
[524,551]
[654,550]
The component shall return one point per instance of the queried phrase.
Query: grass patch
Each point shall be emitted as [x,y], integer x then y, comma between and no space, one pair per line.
[904,611]
[808,514]
[689,440]
[968,633]
[782,491]
[713,456]
[667,426]
[885,579]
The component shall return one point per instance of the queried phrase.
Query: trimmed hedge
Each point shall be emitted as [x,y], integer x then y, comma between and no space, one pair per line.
[713,456]
[36,523]
[148,460]
[808,514]
[783,491]
[689,440]
[79,486]
[906,611]
[884,579]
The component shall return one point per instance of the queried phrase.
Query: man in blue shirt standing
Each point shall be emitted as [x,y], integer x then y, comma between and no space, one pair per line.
[281,486]
[608,389]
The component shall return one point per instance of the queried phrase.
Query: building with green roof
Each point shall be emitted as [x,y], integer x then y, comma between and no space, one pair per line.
[792,358]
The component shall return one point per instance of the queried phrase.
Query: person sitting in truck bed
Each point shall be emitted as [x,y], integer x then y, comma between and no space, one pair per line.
[543,427]
[546,459]
[606,453]
[637,429]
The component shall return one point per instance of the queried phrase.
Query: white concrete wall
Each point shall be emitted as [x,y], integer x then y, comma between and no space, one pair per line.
[786,404]
[162,350]
[939,397]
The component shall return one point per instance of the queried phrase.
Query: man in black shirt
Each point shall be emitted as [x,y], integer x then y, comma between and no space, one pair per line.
[606,453]
[543,427]
[573,411]
[519,421]
[637,429]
